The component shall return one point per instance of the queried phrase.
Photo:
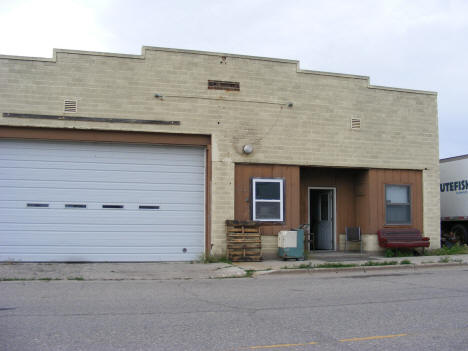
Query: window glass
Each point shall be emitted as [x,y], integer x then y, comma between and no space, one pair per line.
[398,204]
[267,190]
[268,210]
[267,199]
[398,214]
[324,207]
[397,194]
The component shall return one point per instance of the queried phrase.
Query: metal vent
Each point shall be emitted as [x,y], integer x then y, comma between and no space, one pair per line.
[355,123]
[70,106]
[223,85]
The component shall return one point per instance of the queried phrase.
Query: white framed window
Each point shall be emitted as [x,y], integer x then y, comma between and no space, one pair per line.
[398,204]
[268,199]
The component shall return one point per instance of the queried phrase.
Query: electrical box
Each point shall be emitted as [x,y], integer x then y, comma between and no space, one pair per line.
[291,244]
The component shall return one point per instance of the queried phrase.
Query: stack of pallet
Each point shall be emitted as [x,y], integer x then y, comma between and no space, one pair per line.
[244,242]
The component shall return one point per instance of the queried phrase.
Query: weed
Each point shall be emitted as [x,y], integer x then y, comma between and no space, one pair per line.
[405,262]
[444,260]
[335,265]
[398,253]
[214,259]
[427,262]
[48,279]
[444,251]
[75,278]
[249,273]
[382,263]
[304,266]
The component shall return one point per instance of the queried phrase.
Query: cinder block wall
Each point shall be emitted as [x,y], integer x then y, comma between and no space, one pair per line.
[398,127]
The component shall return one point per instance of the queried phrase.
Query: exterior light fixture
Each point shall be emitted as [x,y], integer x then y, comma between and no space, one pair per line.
[290,104]
[247,149]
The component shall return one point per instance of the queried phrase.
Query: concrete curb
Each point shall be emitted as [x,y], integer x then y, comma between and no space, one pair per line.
[363,269]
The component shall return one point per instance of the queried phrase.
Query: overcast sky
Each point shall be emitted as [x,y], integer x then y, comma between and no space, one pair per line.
[418,44]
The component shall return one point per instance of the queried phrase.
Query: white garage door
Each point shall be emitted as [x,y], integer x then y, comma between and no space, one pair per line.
[70,201]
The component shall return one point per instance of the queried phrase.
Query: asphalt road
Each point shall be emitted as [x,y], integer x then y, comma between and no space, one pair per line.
[386,310]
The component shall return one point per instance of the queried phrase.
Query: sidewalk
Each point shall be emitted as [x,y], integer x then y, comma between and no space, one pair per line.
[339,262]
[320,262]
[117,271]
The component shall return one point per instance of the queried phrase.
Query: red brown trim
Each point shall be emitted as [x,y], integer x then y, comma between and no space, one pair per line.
[7,132]
[105,136]
[208,201]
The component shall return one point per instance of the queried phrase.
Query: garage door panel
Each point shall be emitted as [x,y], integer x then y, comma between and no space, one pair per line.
[33,165]
[101,176]
[104,239]
[168,179]
[100,218]
[92,185]
[13,204]
[180,229]
[108,158]
[100,257]
[99,254]
[96,148]
[100,249]
[100,152]
[49,195]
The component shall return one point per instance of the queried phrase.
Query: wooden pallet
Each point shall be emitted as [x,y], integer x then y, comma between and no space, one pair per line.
[244,241]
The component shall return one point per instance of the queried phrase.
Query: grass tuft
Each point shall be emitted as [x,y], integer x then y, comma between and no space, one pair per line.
[335,265]
[444,251]
[75,278]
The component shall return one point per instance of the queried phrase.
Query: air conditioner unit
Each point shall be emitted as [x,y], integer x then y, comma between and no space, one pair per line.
[287,238]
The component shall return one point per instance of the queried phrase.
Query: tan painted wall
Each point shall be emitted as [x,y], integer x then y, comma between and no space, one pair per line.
[399,127]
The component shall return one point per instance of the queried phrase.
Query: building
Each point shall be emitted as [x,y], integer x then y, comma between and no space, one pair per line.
[111,157]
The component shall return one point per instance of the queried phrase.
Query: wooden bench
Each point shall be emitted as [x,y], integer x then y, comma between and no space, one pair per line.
[402,238]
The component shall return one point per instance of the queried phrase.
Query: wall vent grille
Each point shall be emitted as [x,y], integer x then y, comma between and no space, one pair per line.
[70,106]
[223,85]
[355,123]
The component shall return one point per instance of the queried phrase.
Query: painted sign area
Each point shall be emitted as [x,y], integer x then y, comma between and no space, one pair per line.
[460,186]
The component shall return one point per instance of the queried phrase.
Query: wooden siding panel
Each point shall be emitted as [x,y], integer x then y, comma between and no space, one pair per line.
[341,179]
[378,178]
[242,198]
[361,193]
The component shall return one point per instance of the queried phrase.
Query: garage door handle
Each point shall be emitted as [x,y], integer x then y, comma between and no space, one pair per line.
[148,207]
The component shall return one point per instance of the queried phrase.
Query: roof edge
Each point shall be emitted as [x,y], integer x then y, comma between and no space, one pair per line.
[145,49]
[403,90]
[453,158]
